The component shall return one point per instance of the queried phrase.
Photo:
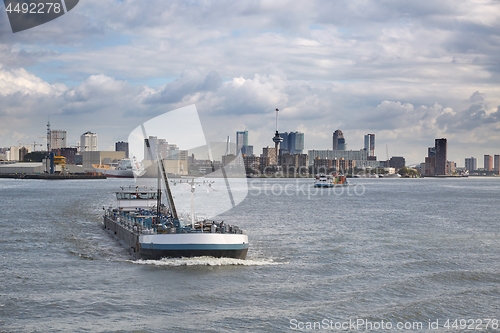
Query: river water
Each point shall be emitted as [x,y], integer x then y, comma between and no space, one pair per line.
[381,255]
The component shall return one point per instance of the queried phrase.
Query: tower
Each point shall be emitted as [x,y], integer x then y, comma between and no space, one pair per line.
[277,139]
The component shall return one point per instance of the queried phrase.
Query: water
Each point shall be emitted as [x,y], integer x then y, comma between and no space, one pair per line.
[395,251]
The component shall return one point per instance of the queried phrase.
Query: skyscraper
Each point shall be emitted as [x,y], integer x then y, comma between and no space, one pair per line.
[441,157]
[471,163]
[338,140]
[293,143]
[122,146]
[496,164]
[488,163]
[241,142]
[88,142]
[370,144]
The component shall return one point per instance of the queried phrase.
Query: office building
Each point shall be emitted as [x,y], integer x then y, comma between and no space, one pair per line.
[488,163]
[122,146]
[441,146]
[370,144]
[496,164]
[88,142]
[471,164]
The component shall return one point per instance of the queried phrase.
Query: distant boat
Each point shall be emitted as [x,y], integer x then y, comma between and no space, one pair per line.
[391,175]
[333,180]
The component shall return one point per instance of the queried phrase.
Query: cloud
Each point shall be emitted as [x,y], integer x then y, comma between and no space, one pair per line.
[476,115]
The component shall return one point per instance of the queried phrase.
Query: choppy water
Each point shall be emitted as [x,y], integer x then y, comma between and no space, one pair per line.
[397,251]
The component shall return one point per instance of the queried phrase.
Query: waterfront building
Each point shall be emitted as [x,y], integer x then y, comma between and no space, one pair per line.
[496,164]
[452,167]
[488,163]
[88,142]
[57,139]
[370,144]
[471,164]
[441,157]
[430,166]
[122,146]
[397,162]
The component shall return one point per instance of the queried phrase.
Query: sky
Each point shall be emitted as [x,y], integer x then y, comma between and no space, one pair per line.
[407,71]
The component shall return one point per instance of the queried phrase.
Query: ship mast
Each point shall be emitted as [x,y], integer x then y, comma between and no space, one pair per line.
[163,174]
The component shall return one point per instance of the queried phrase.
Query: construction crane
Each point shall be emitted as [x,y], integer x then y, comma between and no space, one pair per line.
[34,144]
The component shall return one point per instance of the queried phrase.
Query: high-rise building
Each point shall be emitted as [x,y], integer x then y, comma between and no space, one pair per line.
[57,139]
[441,146]
[471,164]
[122,146]
[370,144]
[88,142]
[488,163]
[338,140]
[241,142]
[293,143]
[496,164]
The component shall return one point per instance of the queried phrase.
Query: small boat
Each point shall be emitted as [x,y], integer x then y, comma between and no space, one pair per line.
[333,180]
[153,230]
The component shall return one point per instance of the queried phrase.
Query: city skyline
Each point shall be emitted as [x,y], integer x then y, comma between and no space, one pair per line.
[243,136]
[326,65]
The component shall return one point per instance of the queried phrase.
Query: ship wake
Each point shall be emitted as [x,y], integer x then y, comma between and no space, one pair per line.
[206,261]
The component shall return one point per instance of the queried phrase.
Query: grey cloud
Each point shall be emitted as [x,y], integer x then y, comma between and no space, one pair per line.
[189,83]
[474,116]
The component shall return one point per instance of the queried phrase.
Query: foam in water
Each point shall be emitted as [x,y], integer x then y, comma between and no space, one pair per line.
[206,261]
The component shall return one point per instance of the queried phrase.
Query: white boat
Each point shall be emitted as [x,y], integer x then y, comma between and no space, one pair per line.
[153,230]
[333,180]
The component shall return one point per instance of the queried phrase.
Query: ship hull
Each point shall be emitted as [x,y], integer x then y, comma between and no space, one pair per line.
[179,245]
[329,185]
